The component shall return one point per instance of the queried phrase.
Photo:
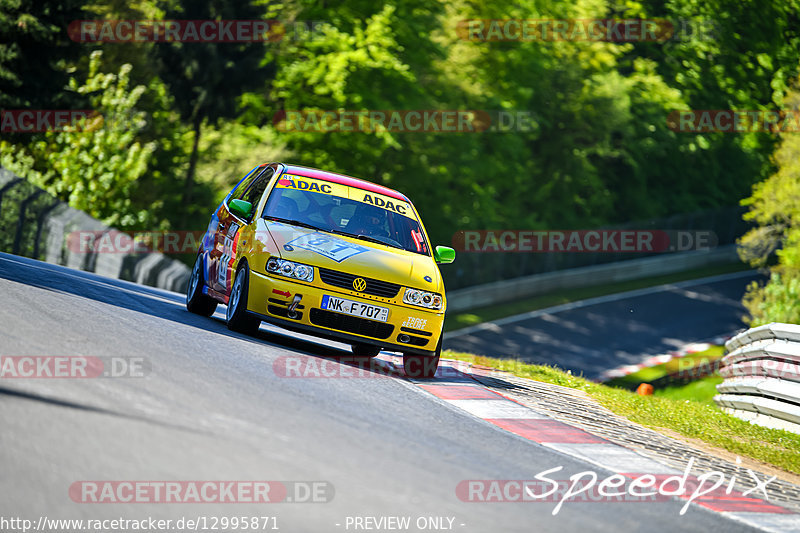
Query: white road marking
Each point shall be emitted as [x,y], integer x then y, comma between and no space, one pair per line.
[613,457]
[493,325]
[496,409]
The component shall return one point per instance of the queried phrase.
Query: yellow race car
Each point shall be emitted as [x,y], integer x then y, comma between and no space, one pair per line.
[328,255]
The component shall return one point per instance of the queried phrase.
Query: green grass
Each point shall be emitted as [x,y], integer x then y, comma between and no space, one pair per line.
[652,373]
[484,314]
[701,390]
[692,419]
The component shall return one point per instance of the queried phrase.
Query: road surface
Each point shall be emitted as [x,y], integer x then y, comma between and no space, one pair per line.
[591,336]
[213,407]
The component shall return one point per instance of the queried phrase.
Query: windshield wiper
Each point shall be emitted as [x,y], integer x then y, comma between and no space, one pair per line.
[294,222]
[373,239]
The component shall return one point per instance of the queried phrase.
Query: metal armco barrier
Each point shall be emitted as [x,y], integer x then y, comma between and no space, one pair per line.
[762,376]
[36,225]
[524,287]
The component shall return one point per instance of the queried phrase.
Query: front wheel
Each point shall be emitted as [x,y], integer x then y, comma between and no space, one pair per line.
[238,319]
[422,366]
[196,301]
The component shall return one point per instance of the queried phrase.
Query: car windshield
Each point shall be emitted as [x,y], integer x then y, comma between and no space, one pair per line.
[344,210]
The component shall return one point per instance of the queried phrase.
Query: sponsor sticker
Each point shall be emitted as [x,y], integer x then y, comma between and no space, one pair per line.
[302,183]
[415,323]
[385,202]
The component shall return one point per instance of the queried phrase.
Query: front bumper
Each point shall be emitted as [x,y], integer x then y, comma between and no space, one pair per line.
[269,299]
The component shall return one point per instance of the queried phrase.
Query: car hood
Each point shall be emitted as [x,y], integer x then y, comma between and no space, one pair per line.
[355,256]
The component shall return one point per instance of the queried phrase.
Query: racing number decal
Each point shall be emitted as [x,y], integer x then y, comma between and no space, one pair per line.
[222,270]
[327,246]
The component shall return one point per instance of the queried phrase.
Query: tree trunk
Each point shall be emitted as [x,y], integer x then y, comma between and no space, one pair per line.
[188,185]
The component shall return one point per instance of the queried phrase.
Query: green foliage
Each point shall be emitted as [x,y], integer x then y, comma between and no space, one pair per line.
[206,79]
[228,152]
[94,165]
[34,53]
[775,209]
[599,150]
[777,301]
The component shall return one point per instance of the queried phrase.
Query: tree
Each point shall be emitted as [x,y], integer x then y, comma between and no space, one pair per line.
[775,241]
[206,79]
[35,53]
[94,165]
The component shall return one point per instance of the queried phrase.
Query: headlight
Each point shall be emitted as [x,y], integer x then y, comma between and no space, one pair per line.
[431,300]
[290,269]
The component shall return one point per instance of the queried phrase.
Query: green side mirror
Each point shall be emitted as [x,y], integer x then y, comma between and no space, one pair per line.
[443,254]
[240,208]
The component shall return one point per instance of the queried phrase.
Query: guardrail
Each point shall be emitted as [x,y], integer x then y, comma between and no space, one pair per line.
[762,376]
[572,278]
[36,225]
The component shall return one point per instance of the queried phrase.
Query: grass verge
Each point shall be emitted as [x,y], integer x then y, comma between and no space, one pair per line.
[678,364]
[484,314]
[701,390]
[692,419]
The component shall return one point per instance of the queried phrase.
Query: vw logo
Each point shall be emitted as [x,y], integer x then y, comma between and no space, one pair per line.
[359,284]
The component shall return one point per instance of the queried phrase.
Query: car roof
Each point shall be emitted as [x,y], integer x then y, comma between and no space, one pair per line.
[345,180]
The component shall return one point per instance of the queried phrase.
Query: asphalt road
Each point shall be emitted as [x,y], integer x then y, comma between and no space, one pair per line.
[602,333]
[213,408]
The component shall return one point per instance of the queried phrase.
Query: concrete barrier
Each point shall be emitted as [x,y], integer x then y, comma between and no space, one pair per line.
[37,225]
[525,287]
[762,376]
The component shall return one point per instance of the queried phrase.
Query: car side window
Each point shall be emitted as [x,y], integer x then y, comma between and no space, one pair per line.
[241,188]
[256,189]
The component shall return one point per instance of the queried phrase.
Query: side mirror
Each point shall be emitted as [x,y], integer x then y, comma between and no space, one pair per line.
[240,208]
[443,254]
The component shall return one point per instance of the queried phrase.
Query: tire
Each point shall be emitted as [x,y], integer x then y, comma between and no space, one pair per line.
[422,366]
[365,350]
[196,301]
[238,319]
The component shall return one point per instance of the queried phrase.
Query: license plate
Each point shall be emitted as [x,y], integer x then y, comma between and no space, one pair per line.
[350,307]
